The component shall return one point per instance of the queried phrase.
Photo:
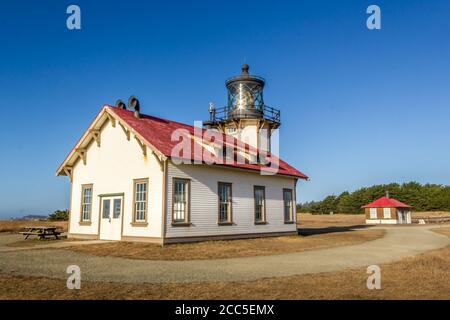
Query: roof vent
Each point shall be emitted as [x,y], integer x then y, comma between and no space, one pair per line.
[120,104]
[387,194]
[133,104]
[244,69]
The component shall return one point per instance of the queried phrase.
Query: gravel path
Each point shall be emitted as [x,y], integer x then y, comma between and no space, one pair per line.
[397,243]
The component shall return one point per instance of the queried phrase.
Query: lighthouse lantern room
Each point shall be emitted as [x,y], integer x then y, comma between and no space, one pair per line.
[245,116]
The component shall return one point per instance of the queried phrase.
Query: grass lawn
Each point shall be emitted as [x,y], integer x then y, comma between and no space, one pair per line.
[228,248]
[425,276]
[422,277]
[326,220]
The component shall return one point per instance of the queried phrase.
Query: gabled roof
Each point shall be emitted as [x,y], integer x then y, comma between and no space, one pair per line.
[385,202]
[156,133]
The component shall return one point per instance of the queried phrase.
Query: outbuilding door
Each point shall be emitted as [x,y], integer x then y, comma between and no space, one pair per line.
[111,208]
[403,216]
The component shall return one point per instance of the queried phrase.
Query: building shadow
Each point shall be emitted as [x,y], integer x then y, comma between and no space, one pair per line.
[314,231]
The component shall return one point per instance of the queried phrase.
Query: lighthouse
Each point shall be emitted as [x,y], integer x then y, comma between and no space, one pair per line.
[246,116]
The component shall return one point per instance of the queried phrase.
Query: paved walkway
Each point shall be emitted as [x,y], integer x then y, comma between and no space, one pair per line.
[397,243]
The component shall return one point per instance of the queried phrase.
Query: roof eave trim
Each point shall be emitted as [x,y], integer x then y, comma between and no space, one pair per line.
[105,110]
[86,134]
[249,169]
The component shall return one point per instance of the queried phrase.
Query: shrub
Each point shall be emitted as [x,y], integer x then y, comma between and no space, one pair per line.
[59,215]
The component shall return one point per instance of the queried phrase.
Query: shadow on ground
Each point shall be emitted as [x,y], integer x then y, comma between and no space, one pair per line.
[315,231]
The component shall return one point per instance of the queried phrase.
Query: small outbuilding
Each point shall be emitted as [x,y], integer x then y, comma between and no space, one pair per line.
[387,210]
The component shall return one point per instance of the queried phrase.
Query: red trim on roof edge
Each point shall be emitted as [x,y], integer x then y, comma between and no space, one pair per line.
[385,202]
[158,132]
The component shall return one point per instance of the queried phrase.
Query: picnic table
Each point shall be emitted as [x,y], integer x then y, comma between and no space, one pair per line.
[41,232]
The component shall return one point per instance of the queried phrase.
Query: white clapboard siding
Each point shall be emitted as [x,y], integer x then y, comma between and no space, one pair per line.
[111,168]
[204,202]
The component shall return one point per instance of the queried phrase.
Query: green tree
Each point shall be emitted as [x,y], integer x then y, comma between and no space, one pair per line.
[428,197]
[59,215]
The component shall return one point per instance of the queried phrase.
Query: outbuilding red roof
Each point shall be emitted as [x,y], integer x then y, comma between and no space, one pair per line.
[385,202]
[158,132]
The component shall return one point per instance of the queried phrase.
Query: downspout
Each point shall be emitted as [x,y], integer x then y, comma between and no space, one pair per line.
[70,210]
[295,201]
[164,202]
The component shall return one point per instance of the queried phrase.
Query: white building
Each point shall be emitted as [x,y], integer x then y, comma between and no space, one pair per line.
[127,182]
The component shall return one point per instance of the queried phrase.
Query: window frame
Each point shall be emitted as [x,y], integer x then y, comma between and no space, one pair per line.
[263,214]
[231,130]
[371,210]
[229,220]
[82,203]
[291,215]
[187,213]
[385,210]
[103,202]
[135,183]
[114,207]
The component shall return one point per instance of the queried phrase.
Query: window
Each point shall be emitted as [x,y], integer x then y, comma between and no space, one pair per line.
[231,130]
[373,213]
[228,153]
[260,204]
[288,205]
[86,202]
[180,201]
[387,213]
[106,208]
[224,194]
[117,208]
[140,200]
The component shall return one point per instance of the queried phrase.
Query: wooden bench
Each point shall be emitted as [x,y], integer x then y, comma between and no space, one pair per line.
[41,232]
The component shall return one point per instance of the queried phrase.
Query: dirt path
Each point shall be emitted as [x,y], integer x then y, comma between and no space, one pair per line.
[10,239]
[398,242]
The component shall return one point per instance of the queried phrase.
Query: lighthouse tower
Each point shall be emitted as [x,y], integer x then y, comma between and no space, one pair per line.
[245,116]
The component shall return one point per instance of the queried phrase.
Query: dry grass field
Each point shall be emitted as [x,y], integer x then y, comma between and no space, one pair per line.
[425,276]
[422,277]
[326,220]
[428,214]
[229,248]
[21,225]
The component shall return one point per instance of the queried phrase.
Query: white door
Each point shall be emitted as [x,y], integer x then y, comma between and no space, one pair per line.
[399,216]
[111,218]
[408,217]
[403,217]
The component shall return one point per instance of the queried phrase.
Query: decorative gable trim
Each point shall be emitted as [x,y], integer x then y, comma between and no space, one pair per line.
[79,151]
[125,130]
[95,133]
[142,145]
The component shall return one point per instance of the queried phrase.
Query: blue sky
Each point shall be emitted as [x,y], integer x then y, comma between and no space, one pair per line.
[359,107]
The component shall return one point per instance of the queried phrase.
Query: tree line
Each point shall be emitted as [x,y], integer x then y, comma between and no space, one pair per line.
[423,197]
[59,215]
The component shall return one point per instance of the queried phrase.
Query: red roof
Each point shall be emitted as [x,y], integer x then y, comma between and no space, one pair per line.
[385,202]
[158,133]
